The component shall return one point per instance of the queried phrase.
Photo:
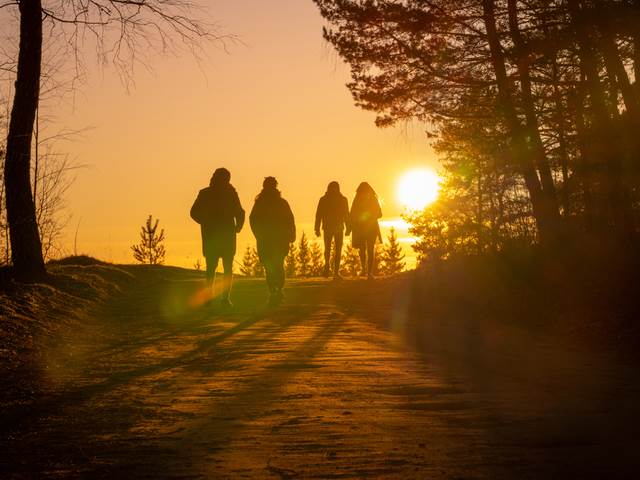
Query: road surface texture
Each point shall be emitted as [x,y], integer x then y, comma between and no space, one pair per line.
[332,384]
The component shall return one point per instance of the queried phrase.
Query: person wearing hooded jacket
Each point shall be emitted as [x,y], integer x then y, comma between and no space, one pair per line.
[218,211]
[274,227]
[332,215]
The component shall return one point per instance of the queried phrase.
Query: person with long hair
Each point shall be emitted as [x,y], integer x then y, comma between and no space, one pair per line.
[218,211]
[363,220]
[332,215]
[274,227]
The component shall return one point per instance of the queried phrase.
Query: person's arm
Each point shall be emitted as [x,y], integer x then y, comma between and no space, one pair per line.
[345,216]
[253,221]
[196,209]
[292,223]
[378,209]
[239,214]
[318,218]
[351,217]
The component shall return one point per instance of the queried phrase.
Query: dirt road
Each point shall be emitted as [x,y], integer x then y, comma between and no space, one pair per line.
[330,385]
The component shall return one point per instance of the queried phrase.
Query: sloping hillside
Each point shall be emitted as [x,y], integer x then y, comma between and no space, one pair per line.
[34,317]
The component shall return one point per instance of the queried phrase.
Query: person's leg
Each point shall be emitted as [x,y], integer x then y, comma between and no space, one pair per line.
[327,253]
[371,244]
[269,274]
[362,251]
[279,272]
[264,257]
[338,239]
[212,264]
[227,264]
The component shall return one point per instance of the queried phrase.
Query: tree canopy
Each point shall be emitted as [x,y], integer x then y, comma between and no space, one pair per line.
[532,105]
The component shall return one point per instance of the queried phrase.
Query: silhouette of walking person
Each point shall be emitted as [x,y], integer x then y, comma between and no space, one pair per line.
[363,220]
[274,227]
[332,215]
[218,211]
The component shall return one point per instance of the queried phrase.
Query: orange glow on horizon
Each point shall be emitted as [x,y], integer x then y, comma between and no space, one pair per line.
[275,105]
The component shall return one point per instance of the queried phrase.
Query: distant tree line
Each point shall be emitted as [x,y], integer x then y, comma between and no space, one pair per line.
[306,259]
[534,108]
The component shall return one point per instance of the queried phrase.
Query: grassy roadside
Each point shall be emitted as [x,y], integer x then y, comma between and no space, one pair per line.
[589,300]
[34,316]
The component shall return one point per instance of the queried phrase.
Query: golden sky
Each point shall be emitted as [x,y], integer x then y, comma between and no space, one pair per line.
[275,105]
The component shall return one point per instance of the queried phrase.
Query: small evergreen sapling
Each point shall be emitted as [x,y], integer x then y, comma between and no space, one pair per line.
[291,262]
[350,261]
[304,257]
[249,261]
[392,258]
[258,267]
[151,247]
[317,259]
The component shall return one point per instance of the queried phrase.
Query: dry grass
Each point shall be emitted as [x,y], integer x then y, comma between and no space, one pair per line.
[34,316]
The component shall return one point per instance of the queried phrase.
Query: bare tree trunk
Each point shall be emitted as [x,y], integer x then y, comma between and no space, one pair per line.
[26,248]
[479,213]
[36,155]
[563,151]
[636,60]
[533,130]
[544,208]
[617,201]
[497,213]
[615,66]
[584,163]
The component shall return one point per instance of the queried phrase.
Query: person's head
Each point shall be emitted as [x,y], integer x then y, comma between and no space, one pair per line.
[270,184]
[269,188]
[220,177]
[365,190]
[333,188]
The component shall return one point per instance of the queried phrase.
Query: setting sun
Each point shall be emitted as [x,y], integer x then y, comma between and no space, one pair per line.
[418,188]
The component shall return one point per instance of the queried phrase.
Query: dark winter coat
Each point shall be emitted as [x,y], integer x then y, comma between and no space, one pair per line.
[363,219]
[273,224]
[220,215]
[332,213]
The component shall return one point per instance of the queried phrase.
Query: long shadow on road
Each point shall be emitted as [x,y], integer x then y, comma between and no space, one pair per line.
[557,409]
[176,390]
[204,328]
[222,418]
